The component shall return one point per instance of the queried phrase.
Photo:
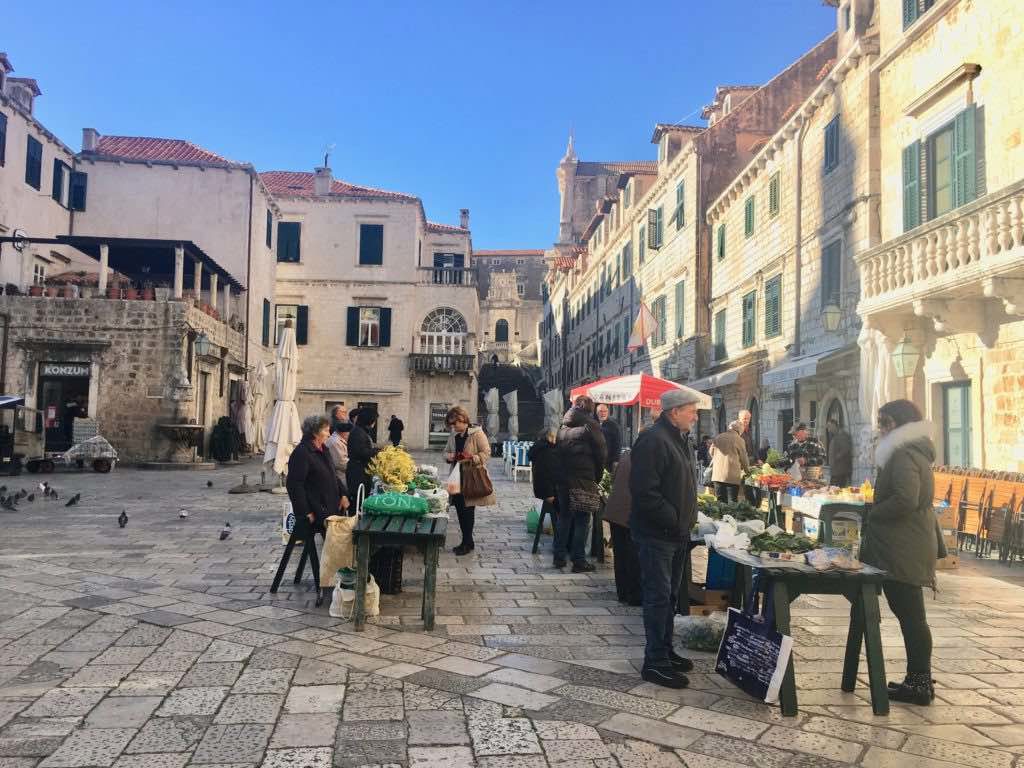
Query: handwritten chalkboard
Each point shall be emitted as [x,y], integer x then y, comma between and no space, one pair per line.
[753,655]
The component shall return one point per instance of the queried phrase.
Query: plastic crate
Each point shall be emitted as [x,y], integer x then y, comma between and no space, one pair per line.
[386,569]
[721,572]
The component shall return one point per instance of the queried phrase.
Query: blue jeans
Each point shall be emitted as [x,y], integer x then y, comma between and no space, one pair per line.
[571,531]
[661,566]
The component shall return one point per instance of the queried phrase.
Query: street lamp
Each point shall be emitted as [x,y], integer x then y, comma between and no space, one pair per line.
[904,358]
[831,316]
[203,345]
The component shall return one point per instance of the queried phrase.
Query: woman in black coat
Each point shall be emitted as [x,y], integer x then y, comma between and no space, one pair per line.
[312,485]
[360,453]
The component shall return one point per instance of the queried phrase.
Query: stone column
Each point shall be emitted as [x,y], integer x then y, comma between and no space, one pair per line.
[213,289]
[227,302]
[197,281]
[179,270]
[104,261]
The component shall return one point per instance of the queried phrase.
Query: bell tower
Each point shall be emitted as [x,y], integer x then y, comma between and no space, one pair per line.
[567,190]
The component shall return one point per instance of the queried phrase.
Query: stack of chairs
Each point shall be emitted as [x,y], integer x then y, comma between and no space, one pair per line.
[989,507]
[516,456]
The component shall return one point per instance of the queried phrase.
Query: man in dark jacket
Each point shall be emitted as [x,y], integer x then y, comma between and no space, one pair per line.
[805,450]
[546,471]
[395,429]
[583,453]
[612,436]
[360,452]
[664,495]
[840,454]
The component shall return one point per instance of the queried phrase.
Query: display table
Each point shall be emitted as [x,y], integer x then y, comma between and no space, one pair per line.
[790,580]
[373,531]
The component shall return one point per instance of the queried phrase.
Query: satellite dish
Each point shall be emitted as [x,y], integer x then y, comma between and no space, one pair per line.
[20,240]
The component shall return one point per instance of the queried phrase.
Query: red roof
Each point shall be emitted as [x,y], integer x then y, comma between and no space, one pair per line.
[166,150]
[300,184]
[433,226]
[531,252]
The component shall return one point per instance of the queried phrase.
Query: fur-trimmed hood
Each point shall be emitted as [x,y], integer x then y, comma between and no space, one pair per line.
[917,432]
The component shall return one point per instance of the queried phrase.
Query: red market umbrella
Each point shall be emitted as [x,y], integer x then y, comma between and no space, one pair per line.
[630,390]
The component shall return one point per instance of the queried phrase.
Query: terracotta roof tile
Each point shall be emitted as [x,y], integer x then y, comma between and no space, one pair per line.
[825,69]
[165,150]
[433,226]
[300,184]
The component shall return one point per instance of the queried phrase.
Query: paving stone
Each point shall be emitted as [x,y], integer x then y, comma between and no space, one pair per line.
[446,681]
[356,661]
[512,696]
[39,747]
[718,722]
[417,698]
[694,760]
[812,743]
[61,702]
[233,744]
[251,637]
[504,736]
[462,666]
[962,754]
[441,757]
[8,709]
[319,672]
[222,650]
[265,658]
[564,752]
[131,655]
[512,761]
[399,671]
[212,675]
[529,680]
[42,728]
[563,730]
[865,734]
[250,708]
[655,731]
[957,732]
[96,746]
[877,757]
[168,734]
[166,760]
[616,700]
[359,744]
[599,678]
[467,651]
[193,701]
[169,661]
[639,754]
[315,698]
[305,730]
[122,712]
[438,728]
[297,758]
[263,681]
[148,683]
[108,676]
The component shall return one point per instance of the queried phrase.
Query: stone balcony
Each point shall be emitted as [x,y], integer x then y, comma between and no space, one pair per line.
[972,253]
[449,276]
[430,364]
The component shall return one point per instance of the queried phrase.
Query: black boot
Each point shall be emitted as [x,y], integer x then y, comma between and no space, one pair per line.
[916,688]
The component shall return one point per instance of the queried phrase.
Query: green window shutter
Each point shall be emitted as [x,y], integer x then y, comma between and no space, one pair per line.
[654,228]
[680,212]
[3,139]
[289,236]
[773,196]
[772,307]
[749,315]
[721,241]
[832,144]
[371,244]
[352,326]
[720,335]
[909,12]
[748,216]
[58,180]
[270,228]
[911,186]
[831,273]
[33,163]
[680,308]
[385,327]
[266,322]
[965,171]
[79,189]
[302,325]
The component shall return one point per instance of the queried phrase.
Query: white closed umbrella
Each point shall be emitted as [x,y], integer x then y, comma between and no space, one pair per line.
[258,406]
[512,403]
[243,416]
[283,430]
[554,409]
[491,403]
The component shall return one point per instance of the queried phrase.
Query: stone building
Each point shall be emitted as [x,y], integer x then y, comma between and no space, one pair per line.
[942,294]
[510,288]
[384,302]
[784,286]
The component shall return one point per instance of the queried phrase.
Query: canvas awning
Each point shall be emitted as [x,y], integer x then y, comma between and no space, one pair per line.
[717,380]
[802,367]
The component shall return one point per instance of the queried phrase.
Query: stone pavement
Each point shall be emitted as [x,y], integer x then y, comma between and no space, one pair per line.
[158,646]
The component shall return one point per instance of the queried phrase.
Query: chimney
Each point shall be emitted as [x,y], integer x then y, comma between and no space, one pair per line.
[90,139]
[464,218]
[322,182]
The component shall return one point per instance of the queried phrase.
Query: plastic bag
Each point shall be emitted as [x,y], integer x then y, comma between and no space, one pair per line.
[427,469]
[454,485]
[705,524]
[392,503]
[533,518]
[343,602]
[337,550]
[437,500]
[701,633]
[794,472]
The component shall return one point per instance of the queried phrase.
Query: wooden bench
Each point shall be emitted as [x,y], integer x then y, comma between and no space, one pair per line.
[373,531]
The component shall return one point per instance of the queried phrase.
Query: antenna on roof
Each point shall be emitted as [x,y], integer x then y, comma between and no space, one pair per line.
[327,154]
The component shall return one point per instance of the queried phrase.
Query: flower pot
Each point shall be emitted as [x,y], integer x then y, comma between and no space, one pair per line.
[113,291]
[35,290]
[148,294]
[131,294]
[51,291]
[87,292]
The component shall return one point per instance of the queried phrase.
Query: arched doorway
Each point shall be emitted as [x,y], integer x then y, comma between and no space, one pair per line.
[501,331]
[723,418]
[834,413]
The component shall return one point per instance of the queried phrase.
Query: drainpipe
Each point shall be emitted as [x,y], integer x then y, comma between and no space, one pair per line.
[248,273]
[3,352]
[798,260]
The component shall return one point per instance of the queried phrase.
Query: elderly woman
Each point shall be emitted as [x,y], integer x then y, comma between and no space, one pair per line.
[337,449]
[902,537]
[466,442]
[729,462]
[312,485]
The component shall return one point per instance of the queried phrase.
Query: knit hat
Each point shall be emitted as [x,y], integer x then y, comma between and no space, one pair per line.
[674,398]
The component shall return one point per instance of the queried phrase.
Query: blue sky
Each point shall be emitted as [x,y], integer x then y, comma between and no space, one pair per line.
[466,104]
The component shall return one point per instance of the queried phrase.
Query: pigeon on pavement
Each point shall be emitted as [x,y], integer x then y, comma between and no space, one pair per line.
[209,483]
[225,531]
[31,497]
[182,513]
[122,519]
[73,500]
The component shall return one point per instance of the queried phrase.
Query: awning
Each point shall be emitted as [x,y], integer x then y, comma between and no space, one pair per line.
[723,379]
[9,401]
[799,368]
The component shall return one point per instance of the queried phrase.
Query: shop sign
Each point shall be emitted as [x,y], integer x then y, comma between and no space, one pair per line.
[64,369]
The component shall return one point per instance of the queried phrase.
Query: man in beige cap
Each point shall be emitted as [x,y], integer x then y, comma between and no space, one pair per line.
[663,489]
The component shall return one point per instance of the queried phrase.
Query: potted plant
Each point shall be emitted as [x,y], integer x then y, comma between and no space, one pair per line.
[130,292]
[148,294]
[51,291]
[35,290]
[114,290]
[68,291]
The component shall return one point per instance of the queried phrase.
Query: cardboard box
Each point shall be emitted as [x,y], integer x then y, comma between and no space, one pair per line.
[947,517]
[710,599]
[948,563]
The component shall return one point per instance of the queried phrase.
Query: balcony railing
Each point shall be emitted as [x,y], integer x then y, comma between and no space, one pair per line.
[460,276]
[420,362]
[980,240]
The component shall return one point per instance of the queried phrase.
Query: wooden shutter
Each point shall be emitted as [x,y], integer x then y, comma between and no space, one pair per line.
[289,236]
[352,327]
[831,273]
[680,212]
[721,241]
[266,322]
[772,307]
[749,315]
[642,244]
[385,327]
[773,195]
[270,228]
[79,188]
[911,186]
[720,334]
[33,163]
[748,216]
[653,220]
[909,12]
[302,324]
[371,244]
[965,171]
[58,181]
[680,308]
[3,139]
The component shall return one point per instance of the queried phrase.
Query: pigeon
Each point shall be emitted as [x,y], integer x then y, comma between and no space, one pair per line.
[42,486]
[22,493]
[9,503]
[122,519]
[73,500]
[225,531]
[31,497]
[209,483]
[3,488]
[182,513]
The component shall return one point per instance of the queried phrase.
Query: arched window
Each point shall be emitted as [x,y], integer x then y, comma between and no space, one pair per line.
[443,332]
[835,412]
[501,330]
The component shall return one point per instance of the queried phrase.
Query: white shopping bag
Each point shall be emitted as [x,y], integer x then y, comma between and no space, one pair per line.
[455,481]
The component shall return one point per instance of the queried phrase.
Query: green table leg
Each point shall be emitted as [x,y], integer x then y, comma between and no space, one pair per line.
[362,573]
[430,557]
[873,646]
[854,641]
[787,695]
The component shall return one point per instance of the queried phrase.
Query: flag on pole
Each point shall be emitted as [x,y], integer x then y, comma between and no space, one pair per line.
[643,328]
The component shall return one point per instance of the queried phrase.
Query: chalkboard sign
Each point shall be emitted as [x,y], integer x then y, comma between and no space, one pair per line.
[753,655]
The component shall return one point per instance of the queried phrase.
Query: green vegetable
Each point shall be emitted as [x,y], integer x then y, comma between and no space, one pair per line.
[782,542]
[605,486]
[774,457]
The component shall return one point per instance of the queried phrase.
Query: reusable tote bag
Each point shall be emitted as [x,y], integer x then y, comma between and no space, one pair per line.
[337,552]
[476,483]
[753,655]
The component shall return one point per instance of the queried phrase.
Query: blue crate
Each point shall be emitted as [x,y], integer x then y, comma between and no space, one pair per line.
[721,572]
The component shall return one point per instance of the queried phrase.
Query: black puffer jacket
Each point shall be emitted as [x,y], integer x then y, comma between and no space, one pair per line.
[662,484]
[360,452]
[312,484]
[582,449]
[547,467]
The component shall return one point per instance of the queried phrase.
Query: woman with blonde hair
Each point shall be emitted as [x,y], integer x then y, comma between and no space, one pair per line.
[466,442]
